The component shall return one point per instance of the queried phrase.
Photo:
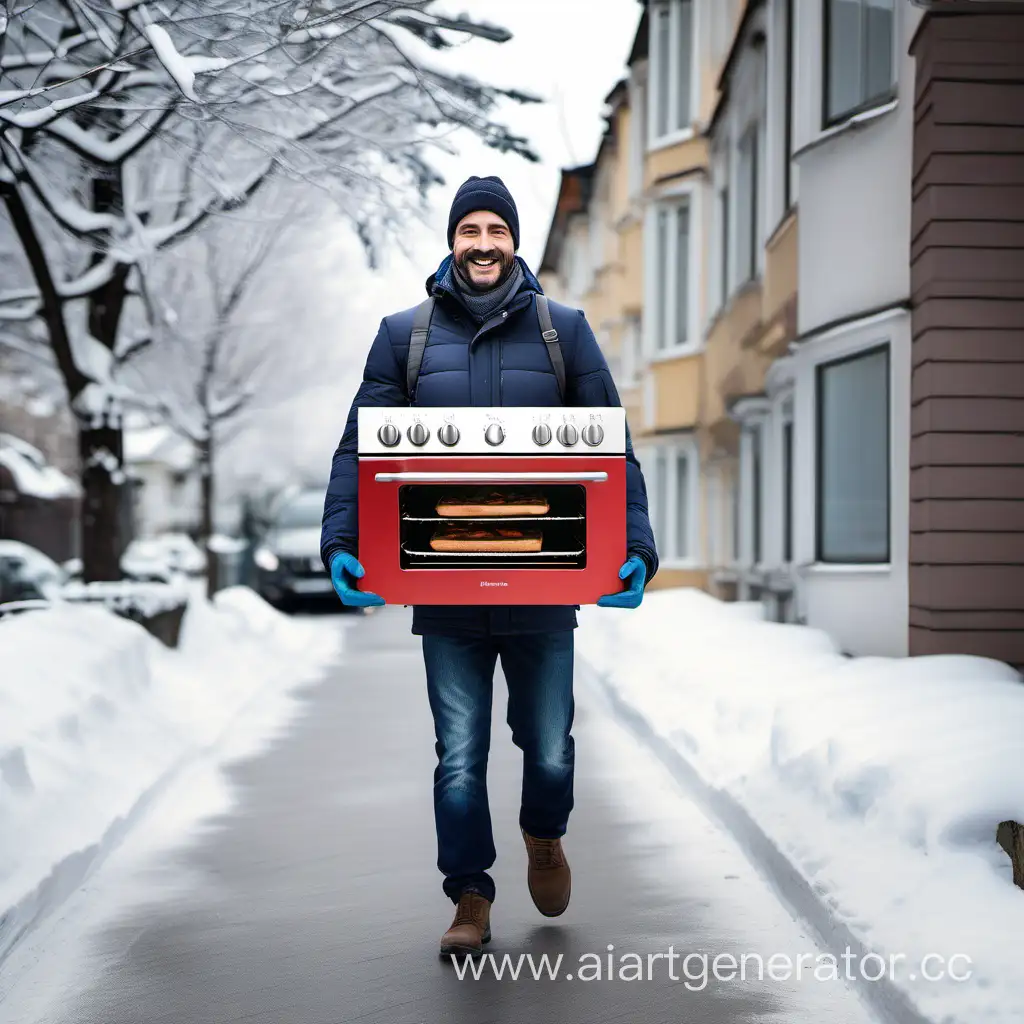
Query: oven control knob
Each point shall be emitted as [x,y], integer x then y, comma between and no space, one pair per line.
[593,434]
[542,434]
[419,435]
[494,435]
[567,435]
[449,435]
[389,435]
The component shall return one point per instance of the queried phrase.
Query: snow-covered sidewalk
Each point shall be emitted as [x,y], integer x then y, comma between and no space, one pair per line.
[881,781]
[95,714]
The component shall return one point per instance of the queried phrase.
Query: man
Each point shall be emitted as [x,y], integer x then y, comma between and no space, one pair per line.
[485,348]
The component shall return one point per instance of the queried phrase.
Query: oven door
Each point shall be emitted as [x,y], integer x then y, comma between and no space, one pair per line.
[562,545]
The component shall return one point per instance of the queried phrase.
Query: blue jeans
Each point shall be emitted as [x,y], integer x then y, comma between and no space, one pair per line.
[460,681]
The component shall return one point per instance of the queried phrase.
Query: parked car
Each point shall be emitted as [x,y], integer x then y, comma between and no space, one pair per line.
[26,574]
[288,566]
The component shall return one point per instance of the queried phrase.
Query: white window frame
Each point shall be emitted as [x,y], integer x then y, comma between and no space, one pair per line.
[690,195]
[638,92]
[883,99]
[754,416]
[787,418]
[721,242]
[820,365]
[891,328]
[781,388]
[749,231]
[679,133]
[665,533]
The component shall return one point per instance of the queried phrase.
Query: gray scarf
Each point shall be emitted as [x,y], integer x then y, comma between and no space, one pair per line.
[482,305]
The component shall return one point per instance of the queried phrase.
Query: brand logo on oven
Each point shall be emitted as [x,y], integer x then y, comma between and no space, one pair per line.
[488,583]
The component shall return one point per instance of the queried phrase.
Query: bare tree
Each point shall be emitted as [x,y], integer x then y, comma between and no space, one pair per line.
[131,124]
[221,355]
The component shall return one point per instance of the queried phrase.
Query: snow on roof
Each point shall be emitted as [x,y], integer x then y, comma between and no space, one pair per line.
[157,444]
[30,472]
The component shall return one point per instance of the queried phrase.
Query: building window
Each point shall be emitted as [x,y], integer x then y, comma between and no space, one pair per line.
[858,56]
[671,48]
[638,119]
[853,458]
[787,492]
[747,206]
[674,509]
[671,281]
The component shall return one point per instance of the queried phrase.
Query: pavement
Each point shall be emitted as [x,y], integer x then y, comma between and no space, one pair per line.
[311,896]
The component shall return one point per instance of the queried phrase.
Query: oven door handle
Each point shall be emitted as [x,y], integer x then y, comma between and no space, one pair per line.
[492,478]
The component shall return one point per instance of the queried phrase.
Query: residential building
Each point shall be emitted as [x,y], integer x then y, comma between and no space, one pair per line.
[828,398]
[832,430]
[966,553]
[162,468]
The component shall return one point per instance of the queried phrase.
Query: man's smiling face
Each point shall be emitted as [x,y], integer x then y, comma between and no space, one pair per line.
[484,250]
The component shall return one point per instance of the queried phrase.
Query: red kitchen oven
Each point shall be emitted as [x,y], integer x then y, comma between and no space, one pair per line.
[542,490]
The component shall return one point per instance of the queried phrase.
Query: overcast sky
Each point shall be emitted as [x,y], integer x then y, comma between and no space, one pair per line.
[562,50]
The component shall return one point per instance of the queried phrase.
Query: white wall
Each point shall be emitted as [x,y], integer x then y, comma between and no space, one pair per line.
[854,224]
[864,607]
[855,193]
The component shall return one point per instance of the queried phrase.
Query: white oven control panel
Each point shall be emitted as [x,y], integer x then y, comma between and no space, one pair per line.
[484,431]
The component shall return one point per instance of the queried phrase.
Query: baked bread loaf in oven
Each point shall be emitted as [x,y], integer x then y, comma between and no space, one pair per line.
[464,538]
[476,504]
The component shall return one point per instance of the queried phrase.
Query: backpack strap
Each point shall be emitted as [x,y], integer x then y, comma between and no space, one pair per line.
[417,343]
[550,336]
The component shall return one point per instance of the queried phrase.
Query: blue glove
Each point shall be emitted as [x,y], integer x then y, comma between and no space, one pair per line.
[345,570]
[636,572]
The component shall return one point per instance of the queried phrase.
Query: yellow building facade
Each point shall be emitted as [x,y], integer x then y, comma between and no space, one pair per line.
[679,242]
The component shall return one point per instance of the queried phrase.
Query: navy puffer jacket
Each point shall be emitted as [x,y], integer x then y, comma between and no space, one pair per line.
[502,362]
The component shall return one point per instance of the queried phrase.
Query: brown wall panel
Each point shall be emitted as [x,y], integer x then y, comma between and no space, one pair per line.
[967,202]
[971,346]
[1000,482]
[967,386]
[1005,646]
[963,620]
[966,415]
[949,587]
[969,264]
[945,138]
[976,169]
[968,380]
[986,103]
[969,314]
[967,450]
[966,514]
[967,549]
[988,27]
[942,234]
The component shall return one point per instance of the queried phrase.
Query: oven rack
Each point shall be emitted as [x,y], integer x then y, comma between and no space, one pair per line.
[511,555]
[492,519]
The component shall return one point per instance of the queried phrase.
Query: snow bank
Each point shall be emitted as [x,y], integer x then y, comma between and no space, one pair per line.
[881,780]
[95,713]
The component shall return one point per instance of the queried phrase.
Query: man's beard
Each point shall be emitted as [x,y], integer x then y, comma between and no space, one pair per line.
[505,264]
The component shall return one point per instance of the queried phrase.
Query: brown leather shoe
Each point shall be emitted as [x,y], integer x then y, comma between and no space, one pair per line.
[471,927]
[547,876]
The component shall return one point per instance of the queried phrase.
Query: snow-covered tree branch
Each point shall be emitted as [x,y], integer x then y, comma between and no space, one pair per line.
[129,126]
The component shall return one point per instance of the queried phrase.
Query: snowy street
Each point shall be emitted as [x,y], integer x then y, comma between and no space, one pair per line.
[311,895]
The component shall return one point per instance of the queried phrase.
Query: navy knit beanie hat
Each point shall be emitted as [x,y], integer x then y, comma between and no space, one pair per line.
[484,194]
